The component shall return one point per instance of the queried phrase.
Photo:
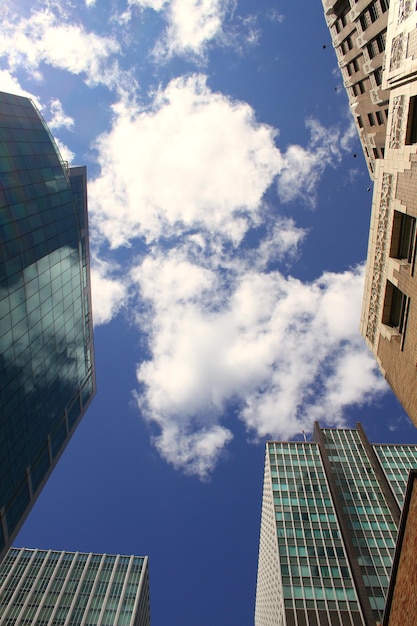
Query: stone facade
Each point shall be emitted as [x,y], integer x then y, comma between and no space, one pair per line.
[389,314]
[358,29]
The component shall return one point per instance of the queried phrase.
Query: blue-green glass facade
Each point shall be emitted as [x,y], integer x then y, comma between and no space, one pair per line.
[369,520]
[397,461]
[43,588]
[46,349]
[330,515]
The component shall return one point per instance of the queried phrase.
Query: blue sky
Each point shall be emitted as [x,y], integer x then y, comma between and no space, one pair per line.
[229,223]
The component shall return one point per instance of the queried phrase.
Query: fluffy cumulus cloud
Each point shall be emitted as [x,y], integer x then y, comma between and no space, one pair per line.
[188,177]
[194,159]
[109,291]
[304,167]
[48,36]
[59,119]
[284,352]
[191,25]
[10,84]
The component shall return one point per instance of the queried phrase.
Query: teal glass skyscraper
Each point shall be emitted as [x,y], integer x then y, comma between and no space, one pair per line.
[330,514]
[46,343]
[48,588]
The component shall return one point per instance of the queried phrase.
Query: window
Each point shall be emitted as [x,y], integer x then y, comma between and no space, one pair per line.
[376,45]
[347,44]
[411,134]
[378,76]
[403,236]
[353,66]
[371,119]
[395,308]
[358,88]
[373,14]
[379,117]
[384,5]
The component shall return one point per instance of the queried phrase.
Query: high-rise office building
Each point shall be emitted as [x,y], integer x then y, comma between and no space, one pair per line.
[330,513]
[45,588]
[46,344]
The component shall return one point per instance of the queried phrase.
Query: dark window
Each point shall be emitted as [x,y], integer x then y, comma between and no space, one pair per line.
[411,134]
[403,236]
[380,40]
[347,44]
[373,13]
[371,49]
[395,307]
[371,119]
[378,76]
[360,121]
[379,117]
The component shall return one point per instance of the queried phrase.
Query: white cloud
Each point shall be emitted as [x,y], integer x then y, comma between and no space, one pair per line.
[286,353]
[10,84]
[304,167]
[189,176]
[196,159]
[109,292]
[45,37]
[191,25]
[59,118]
[66,153]
[275,16]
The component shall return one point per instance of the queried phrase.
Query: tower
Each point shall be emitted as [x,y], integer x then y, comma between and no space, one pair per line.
[330,514]
[47,377]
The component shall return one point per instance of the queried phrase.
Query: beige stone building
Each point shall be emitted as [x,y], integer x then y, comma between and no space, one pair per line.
[359,30]
[389,314]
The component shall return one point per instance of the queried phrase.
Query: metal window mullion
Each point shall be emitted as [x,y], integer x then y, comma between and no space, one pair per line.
[61,593]
[140,587]
[106,595]
[93,589]
[11,571]
[30,593]
[77,590]
[46,590]
[122,595]
[18,586]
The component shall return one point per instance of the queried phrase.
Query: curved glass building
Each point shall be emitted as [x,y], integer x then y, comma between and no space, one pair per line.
[47,375]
